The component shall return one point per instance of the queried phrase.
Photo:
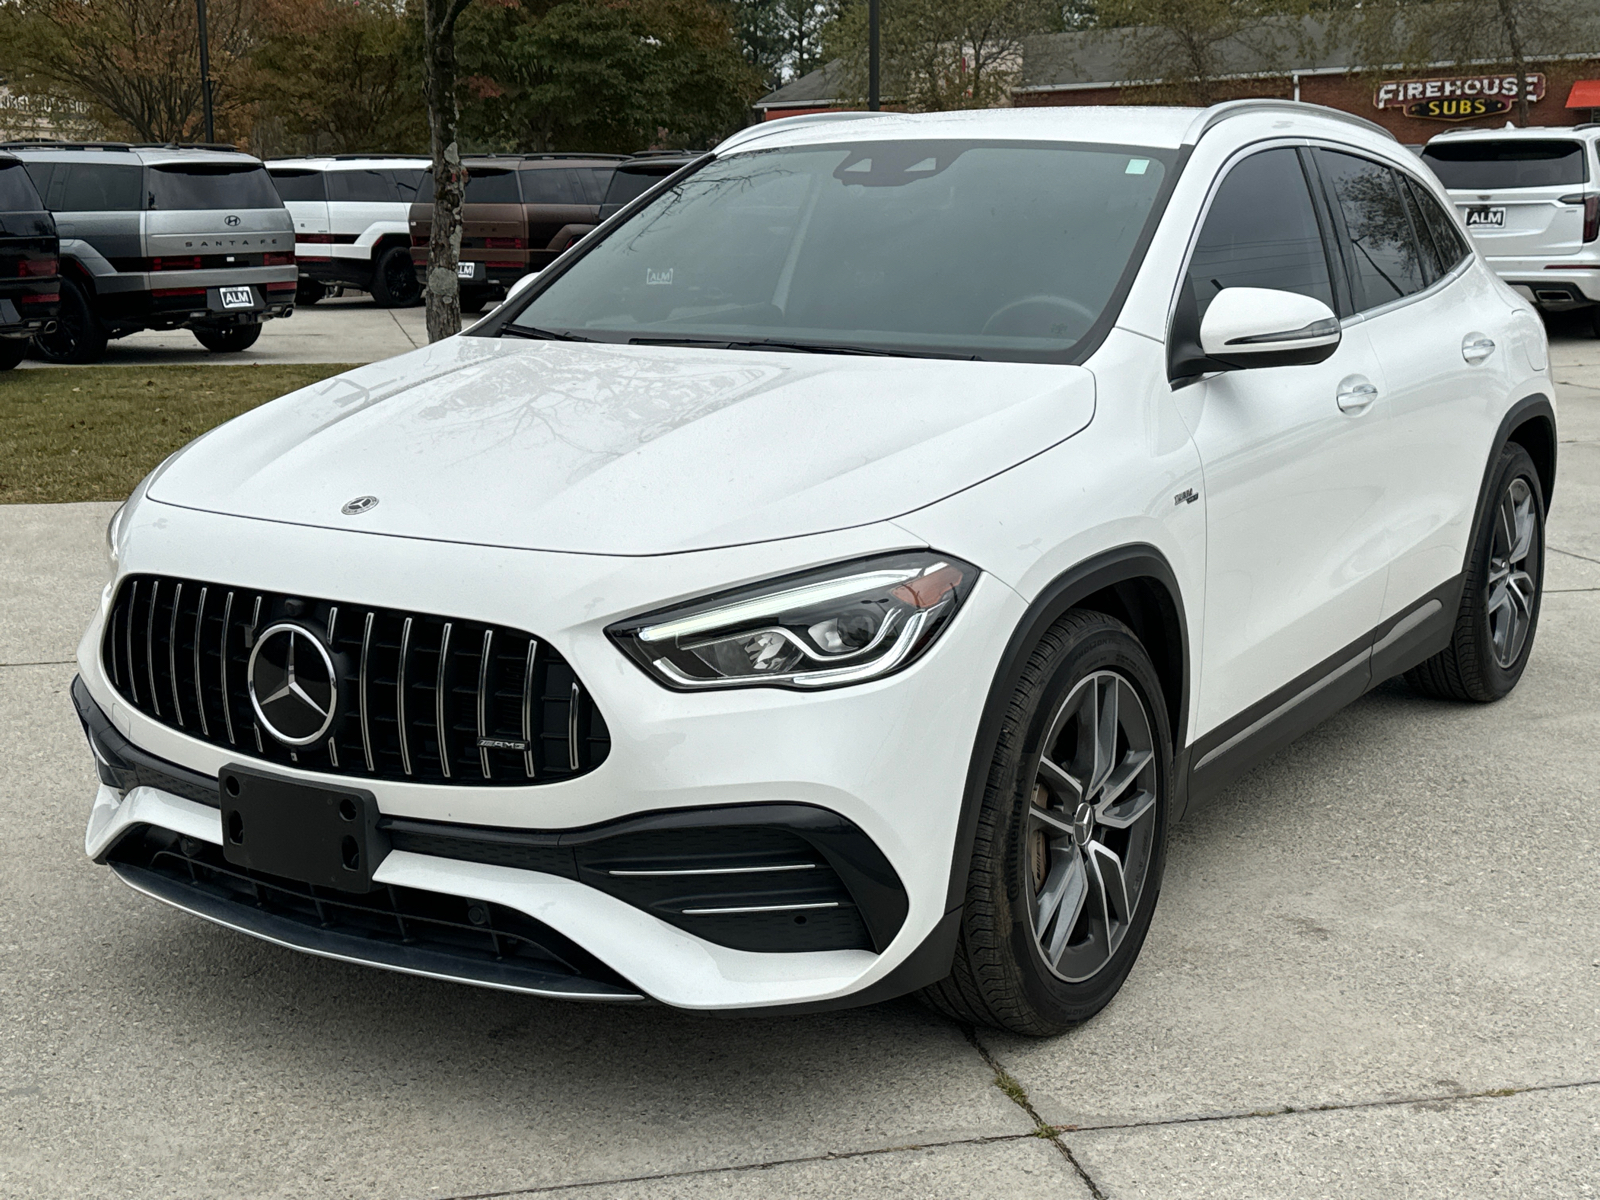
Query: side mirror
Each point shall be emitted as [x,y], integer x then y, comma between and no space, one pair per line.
[1262,327]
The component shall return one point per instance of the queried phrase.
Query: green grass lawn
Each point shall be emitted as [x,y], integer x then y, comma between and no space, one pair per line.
[92,433]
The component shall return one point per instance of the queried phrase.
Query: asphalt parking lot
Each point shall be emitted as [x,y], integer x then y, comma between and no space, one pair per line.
[1374,972]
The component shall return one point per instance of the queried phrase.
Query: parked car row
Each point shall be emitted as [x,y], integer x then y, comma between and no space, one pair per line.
[30,283]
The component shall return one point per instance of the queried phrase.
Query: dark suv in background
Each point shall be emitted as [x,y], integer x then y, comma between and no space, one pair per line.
[30,289]
[521,210]
[161,237]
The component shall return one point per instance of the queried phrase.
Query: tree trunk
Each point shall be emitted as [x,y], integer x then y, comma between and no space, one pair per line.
[443,291]
[1508,22]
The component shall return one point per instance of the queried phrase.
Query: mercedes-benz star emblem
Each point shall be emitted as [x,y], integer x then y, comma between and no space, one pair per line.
[293,685]
[360,505]
[230,221]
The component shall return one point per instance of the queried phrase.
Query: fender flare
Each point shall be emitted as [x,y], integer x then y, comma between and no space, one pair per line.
[1536,406]
[1066,591]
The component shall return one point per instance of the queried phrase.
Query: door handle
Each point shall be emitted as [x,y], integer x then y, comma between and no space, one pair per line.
[1476,347]
[1356,393]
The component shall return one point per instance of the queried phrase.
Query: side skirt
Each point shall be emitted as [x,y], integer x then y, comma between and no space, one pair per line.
[1246,740]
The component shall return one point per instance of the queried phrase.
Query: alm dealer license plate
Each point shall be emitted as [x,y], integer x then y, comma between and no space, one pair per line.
[1486,218]
[238,297]
[465,270]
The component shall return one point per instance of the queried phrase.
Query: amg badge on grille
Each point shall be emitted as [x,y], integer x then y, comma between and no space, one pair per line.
[494,743]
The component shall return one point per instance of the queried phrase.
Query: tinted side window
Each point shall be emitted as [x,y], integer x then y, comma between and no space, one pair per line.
[16,189]
[1261,232]
[409,185]
[365,187]
[1384,256]
[551,185]
[97,187]
[490,186]
[299,185]
[1447,238]
[41,173]
[593,181]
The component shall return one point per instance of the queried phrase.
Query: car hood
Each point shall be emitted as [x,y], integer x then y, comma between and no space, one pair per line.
[601,448]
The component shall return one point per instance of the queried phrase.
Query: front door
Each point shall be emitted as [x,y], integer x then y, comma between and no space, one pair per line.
[1294,495]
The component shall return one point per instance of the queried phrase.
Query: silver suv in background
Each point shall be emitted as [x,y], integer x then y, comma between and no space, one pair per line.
[350,214]
[161,237]
[1531,200]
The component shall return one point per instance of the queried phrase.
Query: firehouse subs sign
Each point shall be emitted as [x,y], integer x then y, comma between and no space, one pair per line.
[1458,99]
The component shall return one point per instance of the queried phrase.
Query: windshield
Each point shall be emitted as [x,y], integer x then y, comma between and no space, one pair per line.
[212,185]
[1512,163]
[992,250]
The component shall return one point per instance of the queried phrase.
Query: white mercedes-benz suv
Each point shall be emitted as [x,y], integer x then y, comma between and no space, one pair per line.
[832,578]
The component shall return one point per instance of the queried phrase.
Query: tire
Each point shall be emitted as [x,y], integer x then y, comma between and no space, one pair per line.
[79,335]
[1594,319]
[12,352]
[229,339]
[394,279]
[1499,613]
[309,291]
[1030,835]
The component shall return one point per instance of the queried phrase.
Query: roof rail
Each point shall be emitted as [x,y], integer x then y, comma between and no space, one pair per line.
[751,132]
[221,147]
[41,143]
[1218,113]
[352,157]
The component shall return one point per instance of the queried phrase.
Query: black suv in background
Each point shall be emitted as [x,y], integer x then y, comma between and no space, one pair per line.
[30,289]
[641,173]
[161,237]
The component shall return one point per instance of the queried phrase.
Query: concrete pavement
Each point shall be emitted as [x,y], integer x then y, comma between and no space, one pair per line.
[1374,972]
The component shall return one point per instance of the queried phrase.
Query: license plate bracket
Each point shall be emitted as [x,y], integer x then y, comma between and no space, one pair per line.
[311,834]
[1486,217]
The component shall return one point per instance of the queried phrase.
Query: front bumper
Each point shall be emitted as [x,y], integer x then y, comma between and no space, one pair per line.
[886,762]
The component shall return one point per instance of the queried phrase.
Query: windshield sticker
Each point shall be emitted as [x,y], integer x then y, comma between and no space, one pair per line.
[1137,166]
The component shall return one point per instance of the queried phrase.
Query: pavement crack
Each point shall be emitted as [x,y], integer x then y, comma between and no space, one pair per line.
[1007,1083]
[1290,1110]
[540,1189]
[1571,554]
[403,330]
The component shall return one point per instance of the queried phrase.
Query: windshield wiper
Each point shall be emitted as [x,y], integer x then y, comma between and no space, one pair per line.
[802,347]
[542,335]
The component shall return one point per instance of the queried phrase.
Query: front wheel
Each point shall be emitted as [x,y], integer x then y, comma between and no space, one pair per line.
[1499,611]
[1071,839]
[394,279]
[229,339]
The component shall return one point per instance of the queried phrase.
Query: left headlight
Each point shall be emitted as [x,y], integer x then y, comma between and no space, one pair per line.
[839,625]
[113,544]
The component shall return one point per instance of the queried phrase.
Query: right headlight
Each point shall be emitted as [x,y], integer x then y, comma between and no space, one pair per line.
[113,541]
[839,625]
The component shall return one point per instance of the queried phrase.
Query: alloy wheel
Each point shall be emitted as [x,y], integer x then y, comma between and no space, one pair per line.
[1512,590]
[1091,824]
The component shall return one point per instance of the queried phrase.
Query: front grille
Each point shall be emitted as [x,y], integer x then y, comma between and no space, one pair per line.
[418,697]
[392,926]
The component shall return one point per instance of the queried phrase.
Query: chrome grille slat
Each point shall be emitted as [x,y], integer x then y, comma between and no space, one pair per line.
[150,644]
[172,654]
[483,702]
[400,694]
[439,699]
[527,708]
[361,690]
[510,693]
[199,693]
[222,651]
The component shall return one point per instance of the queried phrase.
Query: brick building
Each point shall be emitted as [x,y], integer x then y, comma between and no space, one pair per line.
[1088,68]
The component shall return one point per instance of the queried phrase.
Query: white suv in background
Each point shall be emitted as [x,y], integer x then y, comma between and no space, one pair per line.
[350,226]
[1531,200]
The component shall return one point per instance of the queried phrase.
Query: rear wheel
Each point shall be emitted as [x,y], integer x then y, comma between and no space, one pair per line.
[1071,839]
[12,351]
[1499,612]
[228,339]
[309,291]
[79,335]
[394,279]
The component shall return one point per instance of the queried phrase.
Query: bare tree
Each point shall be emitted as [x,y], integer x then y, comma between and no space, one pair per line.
[439,18]
[1183,48]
